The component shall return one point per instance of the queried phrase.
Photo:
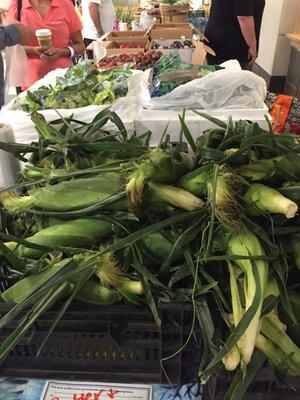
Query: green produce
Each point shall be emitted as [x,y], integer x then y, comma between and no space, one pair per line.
[79,233]
[246,244]
[95,293]
[263,199]
[190,230]
[161,166]
[66,195]
[81,86]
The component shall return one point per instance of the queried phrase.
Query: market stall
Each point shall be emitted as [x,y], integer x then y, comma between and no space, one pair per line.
[152,235]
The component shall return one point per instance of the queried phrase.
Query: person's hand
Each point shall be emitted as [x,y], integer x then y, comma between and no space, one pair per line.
[38,50]
[25,33]
[252,54]
[54,53]
[2,14]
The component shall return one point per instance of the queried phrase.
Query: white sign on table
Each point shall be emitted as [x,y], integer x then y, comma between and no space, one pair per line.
[60,390]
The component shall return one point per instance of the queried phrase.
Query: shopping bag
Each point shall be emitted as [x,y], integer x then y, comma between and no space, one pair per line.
[17,69]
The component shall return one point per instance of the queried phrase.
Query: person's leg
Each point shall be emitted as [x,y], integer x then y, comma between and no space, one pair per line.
[89,53]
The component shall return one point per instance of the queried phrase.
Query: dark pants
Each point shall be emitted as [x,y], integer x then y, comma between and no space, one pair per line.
[211,60]
[89,53]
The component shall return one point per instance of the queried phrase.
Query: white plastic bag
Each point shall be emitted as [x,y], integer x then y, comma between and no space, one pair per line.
[230,88]
[17,69]
[146,21]
[9,166]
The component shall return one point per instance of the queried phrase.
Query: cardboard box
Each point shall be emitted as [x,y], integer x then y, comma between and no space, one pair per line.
[113,49]
[185,54]
[161,32]
[117,36]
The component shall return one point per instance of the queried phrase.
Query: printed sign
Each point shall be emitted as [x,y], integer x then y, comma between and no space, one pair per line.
[56,390]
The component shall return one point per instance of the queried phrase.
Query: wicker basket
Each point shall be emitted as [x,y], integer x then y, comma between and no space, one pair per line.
[174,13]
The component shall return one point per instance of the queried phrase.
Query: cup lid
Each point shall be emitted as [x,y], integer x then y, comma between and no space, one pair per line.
[43,32]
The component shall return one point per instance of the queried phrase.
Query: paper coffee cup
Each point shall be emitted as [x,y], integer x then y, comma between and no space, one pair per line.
[44,37]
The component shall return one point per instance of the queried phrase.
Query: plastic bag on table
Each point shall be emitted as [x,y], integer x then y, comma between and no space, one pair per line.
[17,69]
[230,88]
[170,72]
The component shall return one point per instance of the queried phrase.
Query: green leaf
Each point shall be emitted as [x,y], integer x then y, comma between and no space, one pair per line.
[49,299]
[215,121]
[151,301]
[82,279]
[187,134]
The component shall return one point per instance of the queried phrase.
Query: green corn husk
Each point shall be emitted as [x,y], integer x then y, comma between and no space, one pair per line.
[67,195]
[264,199]
[246,244]
[223,194]
[162,166]
[195,182]
[80,233]
[295,248]
[258,170]
[272,328]
[176,197]
[277,356]
[25,287]
[95,293]
[291,190]
[264,168]
[156,248]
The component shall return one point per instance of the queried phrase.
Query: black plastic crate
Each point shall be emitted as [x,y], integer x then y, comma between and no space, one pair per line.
[108,343]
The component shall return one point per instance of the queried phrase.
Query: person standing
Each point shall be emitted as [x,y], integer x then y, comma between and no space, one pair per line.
[58,16]
[98,18]
[233,31]
[10,35]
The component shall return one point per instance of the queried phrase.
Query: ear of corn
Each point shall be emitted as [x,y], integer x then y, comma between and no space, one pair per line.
[277,356]
[264,199]
[195,182]
[67,195]
[272,328]
[246,244]
[95,293]
[232,359]
[24,288]
[80,233]
[156,248]
[222,193]
[160,166]
[176,197]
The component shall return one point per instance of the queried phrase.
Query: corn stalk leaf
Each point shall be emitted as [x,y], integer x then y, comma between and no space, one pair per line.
[187,134]
[214,120]
[45,303]
[82,279]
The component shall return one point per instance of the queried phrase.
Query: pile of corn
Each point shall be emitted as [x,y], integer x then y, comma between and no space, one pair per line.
[103,218]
